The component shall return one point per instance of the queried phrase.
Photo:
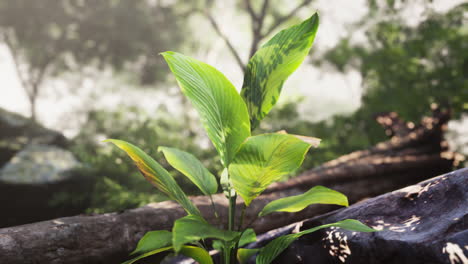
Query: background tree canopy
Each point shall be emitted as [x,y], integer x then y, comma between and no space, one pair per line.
[404,68]
[408,68]
[47,38]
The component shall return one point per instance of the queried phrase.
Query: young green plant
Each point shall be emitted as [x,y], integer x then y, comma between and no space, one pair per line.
[251,162]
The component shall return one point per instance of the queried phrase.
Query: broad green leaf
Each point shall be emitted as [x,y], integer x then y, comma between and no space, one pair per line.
[192,228]
[222,110]
[272,64]
[198,254]
[151,253]
[316,195]
[274,248]
[156,175]
[153,240]
[262,160]
[248,236]
[191,167]
[243,254]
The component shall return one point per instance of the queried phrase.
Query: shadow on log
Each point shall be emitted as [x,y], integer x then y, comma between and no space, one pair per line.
[417,153]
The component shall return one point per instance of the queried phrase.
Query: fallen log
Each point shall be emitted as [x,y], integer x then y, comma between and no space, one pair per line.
[412,148]
[419,224]
[407,158]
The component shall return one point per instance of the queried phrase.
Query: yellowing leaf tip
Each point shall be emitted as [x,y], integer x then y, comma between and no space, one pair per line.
[313,141]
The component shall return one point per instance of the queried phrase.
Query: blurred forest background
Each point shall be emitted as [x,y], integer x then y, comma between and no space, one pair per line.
[91,70]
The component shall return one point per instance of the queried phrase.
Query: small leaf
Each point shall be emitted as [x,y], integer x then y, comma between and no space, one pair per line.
[225,183]
[262,160]
[153,240]
[192,228]
[151,253]
[222,110]
[244,254]
[272,64]
[274,248]
[156,175]
[247,237]
[222,246]
[191,167]
[316,195]
[218,245]
[350,224]
[198,254]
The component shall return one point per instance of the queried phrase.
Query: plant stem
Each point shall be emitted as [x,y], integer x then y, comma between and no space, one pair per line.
[232,212]
[231,226]
[242,217]
[227,254]
[229,251]
[215,211]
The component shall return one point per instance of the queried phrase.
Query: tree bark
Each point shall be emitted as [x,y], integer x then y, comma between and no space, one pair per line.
[407,158]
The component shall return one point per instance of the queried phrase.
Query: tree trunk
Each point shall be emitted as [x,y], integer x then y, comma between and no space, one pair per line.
[407,158]
[33,109]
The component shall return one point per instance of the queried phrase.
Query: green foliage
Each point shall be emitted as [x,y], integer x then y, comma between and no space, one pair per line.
[251,163]
[118,185]
[223,113]
[156,175]
[274,248]
[150,253]
[262,160]
[200,255]
[247,237]
[272,64]
[193,228]
[316,195]
[153,240]
[404,69]
[243,254]
[191,167]
[410,67]
[62,35]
